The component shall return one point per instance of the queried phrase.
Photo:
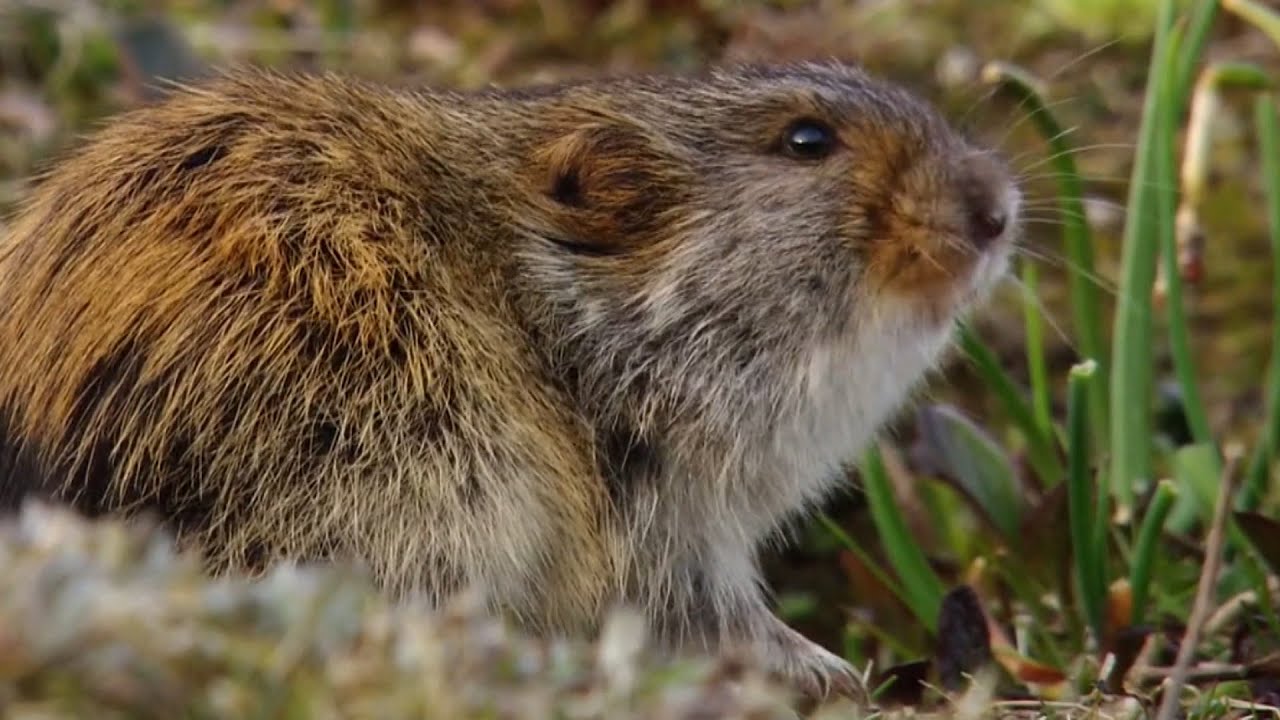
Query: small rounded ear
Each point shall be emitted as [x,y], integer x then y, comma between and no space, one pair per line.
[607,186]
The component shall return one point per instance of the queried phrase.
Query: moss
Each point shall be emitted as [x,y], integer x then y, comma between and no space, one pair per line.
[103,619]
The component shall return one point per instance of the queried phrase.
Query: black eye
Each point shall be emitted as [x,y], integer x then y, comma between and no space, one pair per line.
[809,139]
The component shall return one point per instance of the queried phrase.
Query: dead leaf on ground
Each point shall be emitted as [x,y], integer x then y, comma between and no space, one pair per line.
[964,640]
[1126,646]
[1264,533]
[903,685]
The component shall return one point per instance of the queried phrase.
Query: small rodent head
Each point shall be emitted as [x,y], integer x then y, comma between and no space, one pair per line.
[729,225]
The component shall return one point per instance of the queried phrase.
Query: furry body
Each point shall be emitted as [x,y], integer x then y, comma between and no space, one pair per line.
[573,345]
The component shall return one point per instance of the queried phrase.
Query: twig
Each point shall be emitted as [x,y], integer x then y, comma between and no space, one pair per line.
[1209,673]
[1253,707]
[1200,608]
[1233,608]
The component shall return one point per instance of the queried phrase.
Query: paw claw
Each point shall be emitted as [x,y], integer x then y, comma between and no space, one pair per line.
[818,675]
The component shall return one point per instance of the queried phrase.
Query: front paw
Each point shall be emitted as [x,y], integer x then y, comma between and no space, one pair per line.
[816,674]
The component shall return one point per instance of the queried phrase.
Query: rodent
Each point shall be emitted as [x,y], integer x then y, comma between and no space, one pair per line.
[573,344]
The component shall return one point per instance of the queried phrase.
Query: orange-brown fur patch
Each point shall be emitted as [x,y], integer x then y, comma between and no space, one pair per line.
[605,186]
[221,287]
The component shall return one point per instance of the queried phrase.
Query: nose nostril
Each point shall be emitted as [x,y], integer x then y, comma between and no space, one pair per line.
[985,191]
[987,226]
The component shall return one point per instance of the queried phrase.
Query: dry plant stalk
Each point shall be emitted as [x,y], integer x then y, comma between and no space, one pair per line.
[1202,606]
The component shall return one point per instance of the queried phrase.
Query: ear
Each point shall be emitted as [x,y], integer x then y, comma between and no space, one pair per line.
[607,186]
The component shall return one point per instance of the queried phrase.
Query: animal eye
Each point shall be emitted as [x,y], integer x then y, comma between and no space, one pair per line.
[809,139]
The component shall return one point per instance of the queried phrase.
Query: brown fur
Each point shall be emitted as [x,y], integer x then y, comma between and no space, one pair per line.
[573,345]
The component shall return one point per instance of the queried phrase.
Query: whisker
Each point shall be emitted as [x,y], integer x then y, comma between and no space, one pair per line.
[1082,57]
[1057,212]
[1030,297]
[1063,263]
[1123,300]
[965,117]
[1046,203]
[932,260]
[1054,222]
[1086,177]
[1052,205]
[1060,217]
[1113,182]
[1027,116]
[1055,209]
[1075,151]
[1046,103]
[1061,134]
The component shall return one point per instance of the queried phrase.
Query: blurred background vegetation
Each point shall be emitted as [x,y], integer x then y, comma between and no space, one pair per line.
[67,64]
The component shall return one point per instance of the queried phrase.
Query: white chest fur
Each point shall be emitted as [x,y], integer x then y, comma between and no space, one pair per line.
[846,391]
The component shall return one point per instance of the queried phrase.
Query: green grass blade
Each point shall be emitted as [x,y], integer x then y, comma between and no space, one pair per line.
[1196,470]
[1147,547]
[874,568]
[1040,446]
[1090,570]
[976,466]
[1255,483]
[1149,218]
[921,586]
[1262,17]
[1086,313]
[1179,329]
[1194,41]
[1037,369]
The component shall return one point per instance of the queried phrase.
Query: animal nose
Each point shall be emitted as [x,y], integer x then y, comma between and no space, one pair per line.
[984,182]
[986,224]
